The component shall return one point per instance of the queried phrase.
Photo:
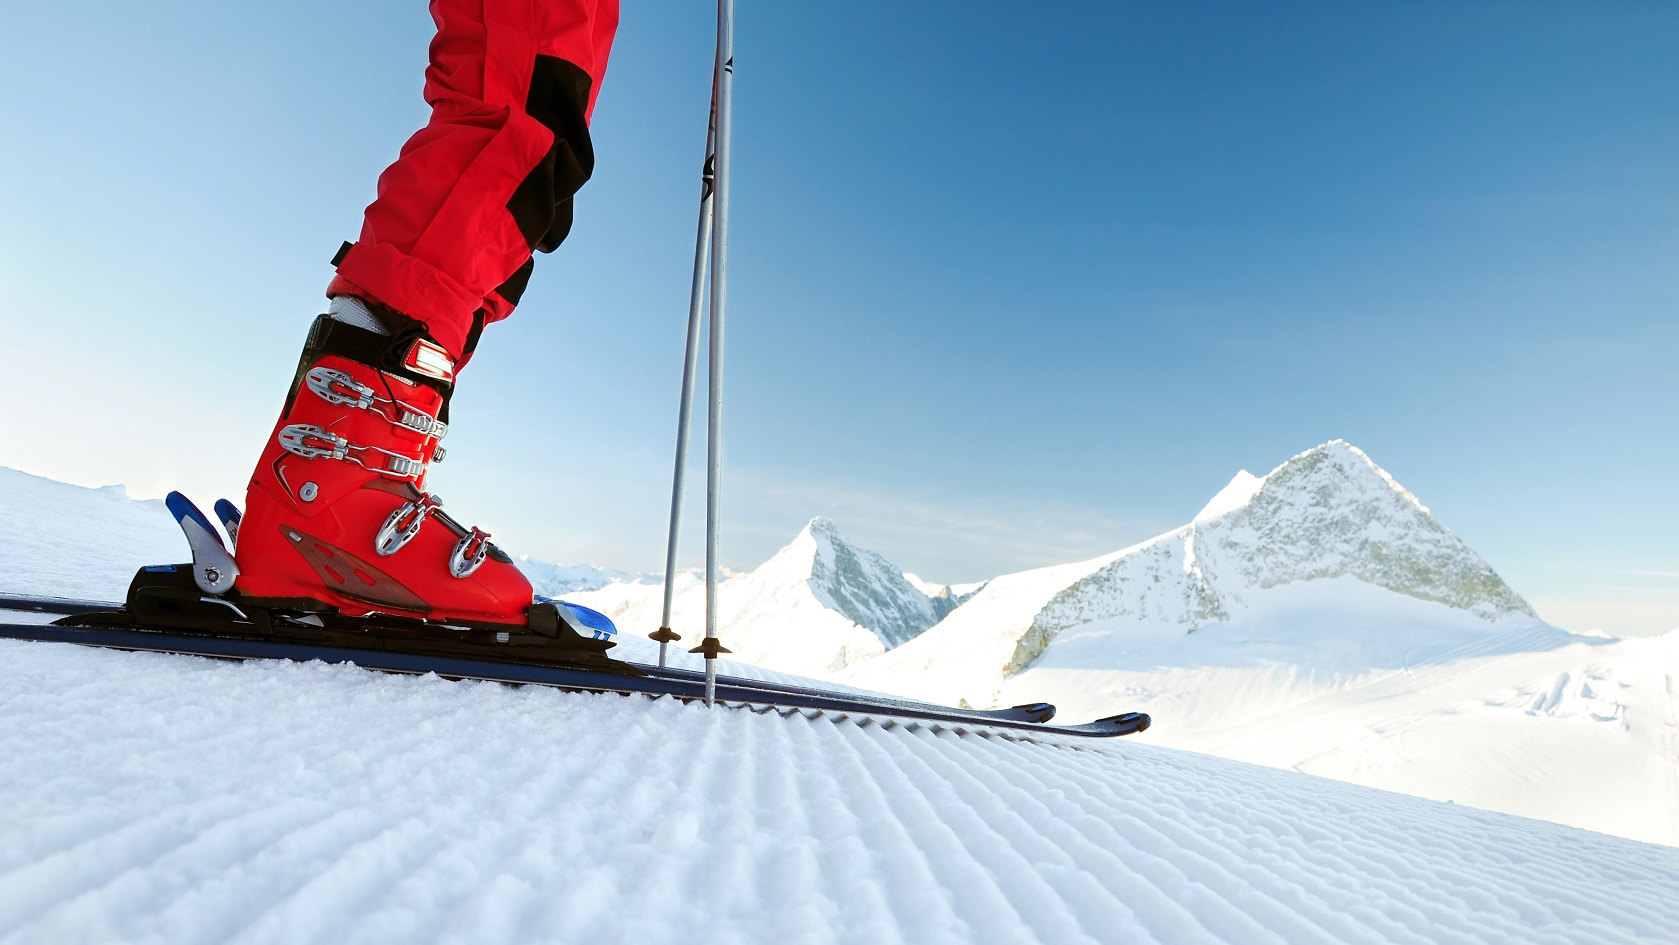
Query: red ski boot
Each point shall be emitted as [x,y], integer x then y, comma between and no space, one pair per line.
[337,512]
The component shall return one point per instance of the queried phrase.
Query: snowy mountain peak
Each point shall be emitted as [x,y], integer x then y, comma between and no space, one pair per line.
[1327,522]
[1336,469]
[855,582]
[1329,512]
[821,525]
[1241,489]
[1332,472]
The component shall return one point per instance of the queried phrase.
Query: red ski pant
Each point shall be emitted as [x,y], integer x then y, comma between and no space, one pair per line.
[511,85]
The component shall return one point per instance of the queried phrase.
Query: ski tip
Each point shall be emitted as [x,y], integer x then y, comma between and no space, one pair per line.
[1130,721]
[1038,711]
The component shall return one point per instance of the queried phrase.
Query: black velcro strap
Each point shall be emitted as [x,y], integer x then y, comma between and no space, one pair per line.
[343,251]
[385,352]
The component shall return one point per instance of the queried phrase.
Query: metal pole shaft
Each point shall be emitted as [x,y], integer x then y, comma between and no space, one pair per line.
[690,367]
[723,79]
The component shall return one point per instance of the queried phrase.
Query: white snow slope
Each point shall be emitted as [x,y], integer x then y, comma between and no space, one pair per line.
[158,799]
[59,540]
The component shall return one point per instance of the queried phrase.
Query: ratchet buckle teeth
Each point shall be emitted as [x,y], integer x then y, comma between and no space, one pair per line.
[399,467]
[421,423]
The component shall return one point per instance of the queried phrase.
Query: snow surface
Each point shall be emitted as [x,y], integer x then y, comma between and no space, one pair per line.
[1347,682]
[924,586]
[162,799]
[61,540]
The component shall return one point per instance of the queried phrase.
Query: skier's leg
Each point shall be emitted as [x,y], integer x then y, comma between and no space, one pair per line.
[337,512]
[490,178]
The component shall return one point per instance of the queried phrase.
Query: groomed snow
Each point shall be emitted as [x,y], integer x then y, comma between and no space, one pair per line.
[160,799]
[1351,682]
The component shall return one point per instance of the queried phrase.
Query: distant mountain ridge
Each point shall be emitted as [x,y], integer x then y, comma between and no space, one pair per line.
[1325,513]
[554,580]
[1328,512]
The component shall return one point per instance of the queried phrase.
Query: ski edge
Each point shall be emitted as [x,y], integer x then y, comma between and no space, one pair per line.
[67,606]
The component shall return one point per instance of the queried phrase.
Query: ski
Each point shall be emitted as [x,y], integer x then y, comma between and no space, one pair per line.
[1030,712]
[584,675]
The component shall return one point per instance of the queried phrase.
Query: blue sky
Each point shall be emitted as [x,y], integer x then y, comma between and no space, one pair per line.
[1012,284]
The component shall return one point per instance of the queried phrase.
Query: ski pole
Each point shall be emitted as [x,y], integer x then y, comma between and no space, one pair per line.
[690,366]
[723,81]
